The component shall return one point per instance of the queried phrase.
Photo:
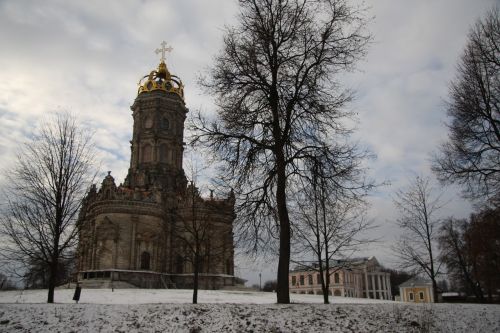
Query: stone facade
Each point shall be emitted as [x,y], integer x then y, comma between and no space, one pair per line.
[362,278]
[141,231]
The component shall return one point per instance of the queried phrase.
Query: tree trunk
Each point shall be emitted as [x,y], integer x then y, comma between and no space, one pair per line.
[54,265]
[324,289]
[52,281]
[195,279]
[282,289]
[326,295]
[327,250]
[434,291]
[429,246]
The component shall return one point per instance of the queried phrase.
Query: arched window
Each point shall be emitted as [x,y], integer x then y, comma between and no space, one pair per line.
[201,266]
[164,151]
[179,264]
[336,278]
[145,259]
[147,153]
[164,123]
[337,292]
[148,122]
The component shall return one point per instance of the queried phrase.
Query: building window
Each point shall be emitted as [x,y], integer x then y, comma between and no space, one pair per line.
[147,153]
[302,280]
[201,265]
[421,295]
[145,258]
[337,292]
[164,153]
[318,279]
[164,124]
[336,278]
[148,122]
[411,296]
[310,280]
[294,280]
[179,264]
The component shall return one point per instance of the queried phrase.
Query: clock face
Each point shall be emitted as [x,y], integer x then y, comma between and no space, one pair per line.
[148,123]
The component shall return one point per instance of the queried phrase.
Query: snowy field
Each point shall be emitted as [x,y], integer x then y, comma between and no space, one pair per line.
[141,310]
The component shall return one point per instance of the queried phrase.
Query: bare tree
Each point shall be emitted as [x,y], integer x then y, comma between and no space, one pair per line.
[470,251]
[45,192]
[330,221]
[483,237]
[195,230]
[471,155]
[416,248]
[204,240]
[456,256]
[279,102]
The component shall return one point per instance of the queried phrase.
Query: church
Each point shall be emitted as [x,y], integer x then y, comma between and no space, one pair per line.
[152,230]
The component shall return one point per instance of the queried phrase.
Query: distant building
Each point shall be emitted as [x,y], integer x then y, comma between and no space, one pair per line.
[360,277]
[138,232]
[416,290]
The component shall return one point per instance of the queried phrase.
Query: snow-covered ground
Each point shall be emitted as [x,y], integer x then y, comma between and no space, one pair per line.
[141,310]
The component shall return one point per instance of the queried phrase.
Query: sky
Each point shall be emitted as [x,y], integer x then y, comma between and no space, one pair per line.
[86,57]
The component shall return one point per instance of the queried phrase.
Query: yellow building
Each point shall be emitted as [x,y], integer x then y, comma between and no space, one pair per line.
[416,290]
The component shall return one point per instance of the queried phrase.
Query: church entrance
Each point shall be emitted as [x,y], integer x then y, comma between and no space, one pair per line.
[145,258]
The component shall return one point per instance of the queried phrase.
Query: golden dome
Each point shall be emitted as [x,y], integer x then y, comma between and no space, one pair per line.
[161,79]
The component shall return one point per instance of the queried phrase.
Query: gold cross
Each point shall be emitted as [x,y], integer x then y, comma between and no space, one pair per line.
[163,49]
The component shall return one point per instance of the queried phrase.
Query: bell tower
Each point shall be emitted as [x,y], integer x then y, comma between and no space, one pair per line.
[157,146]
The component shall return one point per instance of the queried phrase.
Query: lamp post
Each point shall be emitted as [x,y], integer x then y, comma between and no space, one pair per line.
[260,281]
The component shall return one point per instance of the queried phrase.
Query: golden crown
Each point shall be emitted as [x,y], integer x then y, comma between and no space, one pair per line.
[161,79]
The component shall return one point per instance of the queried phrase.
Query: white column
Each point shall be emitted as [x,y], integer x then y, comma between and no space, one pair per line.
[386,286]
[367,288]
[389,289]
[384,279]
[373,286]
[358,285]
[380,289]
